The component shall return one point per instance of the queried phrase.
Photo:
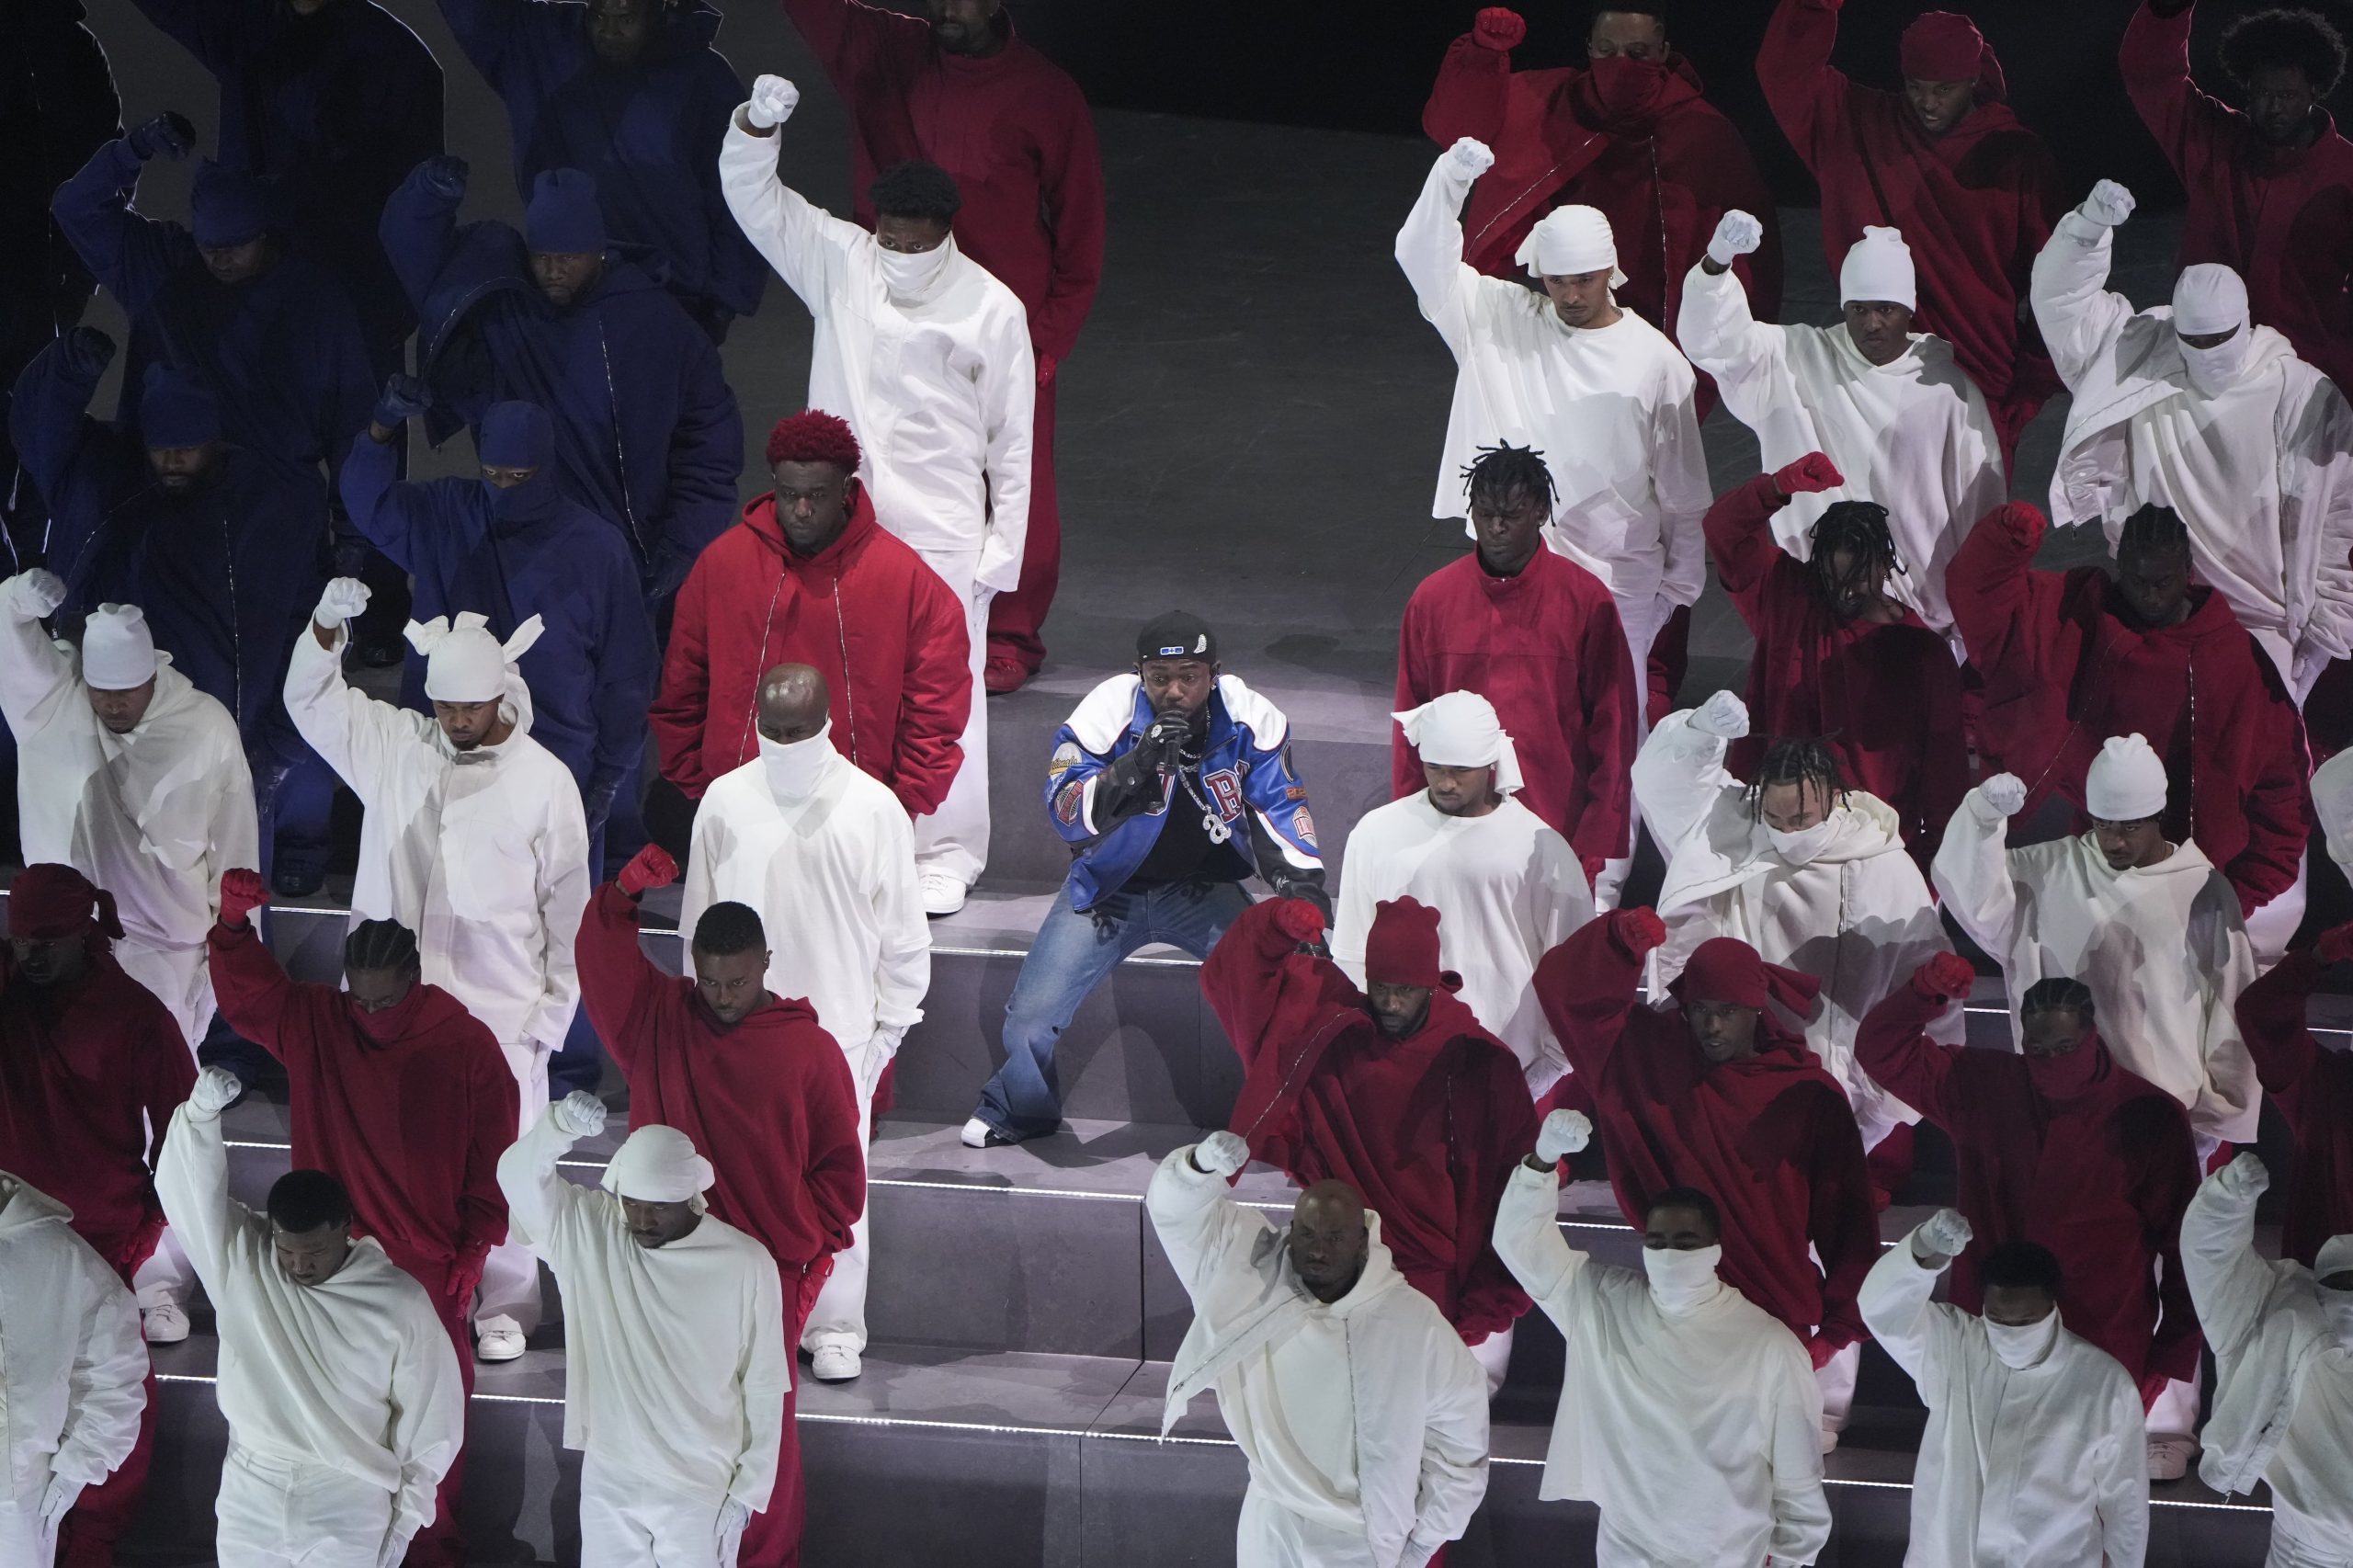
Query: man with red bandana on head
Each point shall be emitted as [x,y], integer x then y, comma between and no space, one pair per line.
[1395,1090]
[91,1069]
[1945,161]
[399,1093]
[1717,1090]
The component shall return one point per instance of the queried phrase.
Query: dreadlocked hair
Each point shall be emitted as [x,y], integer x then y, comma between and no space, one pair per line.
[2153,528]
[1798,760]
[2302,40]
[380,944]
[1503,470]
[2057,994]
[1858,528]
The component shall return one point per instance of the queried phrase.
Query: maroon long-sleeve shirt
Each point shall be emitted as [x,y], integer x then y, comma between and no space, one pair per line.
[2313,1088]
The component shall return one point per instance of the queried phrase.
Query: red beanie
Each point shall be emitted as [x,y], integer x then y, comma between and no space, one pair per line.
[1945,46]
[1723,968]
[1401,948]
[49,902]
[814,436]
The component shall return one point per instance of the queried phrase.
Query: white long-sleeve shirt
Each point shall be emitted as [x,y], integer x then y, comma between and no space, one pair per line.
[1911,435]
[354,1373]
[2162,947]
[483,854]
[2039,1467]
[1364,1416]
[1698,1435]
[675,1365]
[832,876]
[941,389]
[2333,804]
[1507,889]
[153,816]
[1858,916]
[72,1365]
[2262,474]
[1610,408]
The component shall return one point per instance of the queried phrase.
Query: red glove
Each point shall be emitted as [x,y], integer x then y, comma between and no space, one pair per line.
[457,1286]
[1637,930]
[1298,920]
[1944,977]
[1822,1350]
[1809,474]
[651,867]
[1592,865]
[2335,947]
[242,893]
[1498,28]
[1046,363]
[2020,521]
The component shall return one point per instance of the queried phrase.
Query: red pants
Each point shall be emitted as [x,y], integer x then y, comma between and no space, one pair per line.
[772,1538]
[86,1536]
[1016,618]
[442,1543]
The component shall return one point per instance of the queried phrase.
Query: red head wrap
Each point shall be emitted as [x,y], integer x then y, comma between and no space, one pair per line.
[813,435]
[49,902]
[1725,968]
[1945,46]
[1401,948]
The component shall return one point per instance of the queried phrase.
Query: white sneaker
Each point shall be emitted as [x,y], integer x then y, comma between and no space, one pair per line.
[979,1134]
[942,893]
[498,1339]
[166,1324]
[833,1363]
[2169,1457]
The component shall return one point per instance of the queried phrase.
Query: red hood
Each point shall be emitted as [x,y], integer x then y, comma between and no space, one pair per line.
[759,516]
[782,1016]
[435,1011]
[2210,619]
[1681,89]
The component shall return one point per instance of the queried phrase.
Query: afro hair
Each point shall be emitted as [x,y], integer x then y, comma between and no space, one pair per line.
[814,436]
[2304,39]
[916,189]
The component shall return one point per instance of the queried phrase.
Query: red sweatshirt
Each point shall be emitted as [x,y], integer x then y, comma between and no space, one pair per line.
[2280,217]
[1886,698]
[2100,1178]
[866,610]
[1013,129]
[769,1102]
[1546,648]
[2065,670]
[2313,1089]
[409,1108]
[1770,1138]
[90,1072]
[1426,1128]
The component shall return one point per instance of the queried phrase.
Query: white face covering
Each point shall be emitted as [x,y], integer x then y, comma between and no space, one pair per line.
[2217,370]
[1798,849]
[793,767]
[907,276]
[1682,1282]
[2020,1347]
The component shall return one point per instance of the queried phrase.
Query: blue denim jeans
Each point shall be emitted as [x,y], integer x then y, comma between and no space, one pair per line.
[1072,954]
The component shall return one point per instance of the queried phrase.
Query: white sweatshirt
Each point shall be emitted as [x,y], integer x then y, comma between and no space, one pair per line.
[72,1365]
[2041,1467]
[675,1365]
[354,1373]
[2262,475]
[1611,409]
[832,876]
[2333,804]
[2162,947]
[1698,1434]
[154,816]
[1856,916]
[1507,889]
[940,389]
[1365,1416]
[483,854]
[1911,435]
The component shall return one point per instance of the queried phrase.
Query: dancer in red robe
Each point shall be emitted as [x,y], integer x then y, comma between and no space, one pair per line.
[762,1090]
[2311,1086]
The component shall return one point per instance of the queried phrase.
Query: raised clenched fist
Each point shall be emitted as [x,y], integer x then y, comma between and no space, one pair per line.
[1469,158]
[580,1114]
[1498,28]
[1944,977]
[648,868]
[1737,233]
[1723,715]
[2108,204]
[242,893]
[1637,930]
[344,599]
[1810,475]
[1564,1132]
[773,101]
[1221,1153]
[1944,1234]
[2005,793]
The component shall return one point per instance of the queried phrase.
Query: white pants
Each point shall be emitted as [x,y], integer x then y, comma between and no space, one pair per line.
[2175,1412]
[2273,925]
[955,838]
[1642,618]
[627,1522]
[167,1279]
[1837,1380]
[2299,1543]
[1271,1535]
[22,1540]
[275,1514]
[180,979]
[1494,1356]
[838,1315]
[510,1275]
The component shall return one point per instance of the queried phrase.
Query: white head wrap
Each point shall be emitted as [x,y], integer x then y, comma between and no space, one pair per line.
[2126,781]
[658,1164]
[1461,730]
[1571,240]
[1878,268]
[2336,1256]
[118,650]
[463,662]
[2207,297]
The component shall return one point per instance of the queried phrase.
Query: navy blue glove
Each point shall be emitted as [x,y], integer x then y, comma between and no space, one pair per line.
[85,352]
[445,176]
[404,397]
[169,134]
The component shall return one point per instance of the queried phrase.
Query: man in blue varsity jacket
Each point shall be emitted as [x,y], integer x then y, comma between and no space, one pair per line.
[1171,784]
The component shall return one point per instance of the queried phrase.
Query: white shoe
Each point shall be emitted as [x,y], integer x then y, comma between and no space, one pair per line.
[166,1324]
[2169,1457]
[942,893]
[833,1363]
[977,1134]
[498,1339]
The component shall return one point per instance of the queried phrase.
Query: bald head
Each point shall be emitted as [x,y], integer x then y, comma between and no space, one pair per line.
[793,700]
[1328,1239]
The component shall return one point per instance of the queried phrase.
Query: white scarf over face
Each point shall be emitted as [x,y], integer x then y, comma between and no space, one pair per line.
[795,768]
[2208,299]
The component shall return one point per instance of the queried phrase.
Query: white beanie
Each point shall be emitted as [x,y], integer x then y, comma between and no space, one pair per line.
[1461,730]
[1571,240]
[2208,298]
[2336,1256]
[1878,268]
[658,1164]
[463,662]
[2127,783]
[118,650]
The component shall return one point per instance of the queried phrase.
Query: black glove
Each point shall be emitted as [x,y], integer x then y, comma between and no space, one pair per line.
[445,176]
[404,396]
[597,803]
[170,134]
[85,352]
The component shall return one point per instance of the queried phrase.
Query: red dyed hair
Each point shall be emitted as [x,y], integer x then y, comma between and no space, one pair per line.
[814,436]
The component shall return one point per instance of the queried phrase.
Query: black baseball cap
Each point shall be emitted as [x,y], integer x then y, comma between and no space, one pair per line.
[1176,635]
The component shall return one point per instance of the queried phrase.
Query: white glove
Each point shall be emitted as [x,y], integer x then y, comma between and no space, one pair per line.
[1564,1132]
[1943,1236]
[881,1047]
[57,1502]
[395,1546]
[1469,158]
[2005,793]
[2244,1177]
[733,1517]
[1221,1153]
[216,1090]
[2108,204]
[345,597]
[1417,1554]
[1724,716]
[35,594]
[1736,233]
[580,1114]
[773,101]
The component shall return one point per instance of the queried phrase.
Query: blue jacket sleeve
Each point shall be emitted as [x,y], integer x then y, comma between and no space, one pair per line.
[628,664]
[393,513]
[73,459]
[418,231]
[706,456]
[1282,830]
[130,255]
[1072,778]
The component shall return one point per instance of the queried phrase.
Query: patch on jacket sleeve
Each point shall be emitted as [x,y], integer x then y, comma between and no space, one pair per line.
[1069,802]
[1066,756]
[1303,824]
